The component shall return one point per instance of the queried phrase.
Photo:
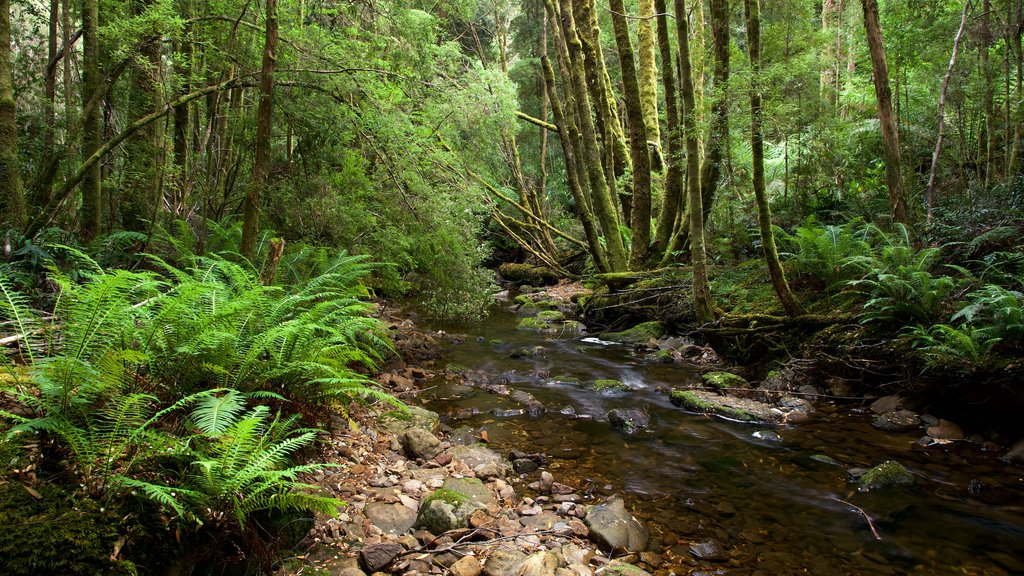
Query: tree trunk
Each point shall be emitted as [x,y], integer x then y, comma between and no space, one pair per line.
[718,128]
[648,69]
[601,194]
[261,163]
[92,128]
[702,303]
[10,170]
[986,70]
[764,213]
[673,198]
[890,138]
[641,202]
[41,193]
[930,194]
[1018,30]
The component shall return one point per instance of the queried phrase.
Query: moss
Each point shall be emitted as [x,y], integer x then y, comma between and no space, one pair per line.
[551,316]
[573,326]
[888,474]
[533,324]
[720,380]
[625,570]
[527,274]
[664,356]
[690,401]
[450,497]
[608,385]
[522,300]
[638,334]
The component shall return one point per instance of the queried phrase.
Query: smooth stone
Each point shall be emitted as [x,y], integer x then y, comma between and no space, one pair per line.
[628,420]
[888,474]
[1015,454]
[885,404]
[503,561]
[481,459]
[946,430]
[419,443]
[767,435]
[466,566]
[539,564]
[614,528]
[898,421]
[376,556]
[709,550]
[395,422]
[393,518]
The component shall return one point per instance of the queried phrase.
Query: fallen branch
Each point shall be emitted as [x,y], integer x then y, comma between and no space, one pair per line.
[865,514]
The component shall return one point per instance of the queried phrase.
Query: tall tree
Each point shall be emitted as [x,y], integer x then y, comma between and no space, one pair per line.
[718,127]
[92,127]
[883,94]
[764,214]
[10,171]
[647,65]
[261,163]
[672,201]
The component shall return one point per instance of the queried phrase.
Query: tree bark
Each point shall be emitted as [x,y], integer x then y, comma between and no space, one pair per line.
[986,70]
[764,213]
[51,98]
[930,194]
[261,163]
[883,94]
[10,168]
[92,129]
[648,68]
[702,303]
[640,223]
[673,198]
[1018,31]
[718,128]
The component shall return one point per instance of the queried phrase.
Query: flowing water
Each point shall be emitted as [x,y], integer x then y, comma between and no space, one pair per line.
[774,507]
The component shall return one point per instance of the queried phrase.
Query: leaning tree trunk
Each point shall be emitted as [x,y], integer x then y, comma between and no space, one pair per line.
[764,213]
[261,164]
[92,128]
[673,198]
[641,203]
[13,197]
[702,303]
[930,194]
[883,94]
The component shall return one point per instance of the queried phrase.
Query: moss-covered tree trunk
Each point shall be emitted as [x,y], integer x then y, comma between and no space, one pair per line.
[13,197]
[718,127]
[261,163]
[883,94]
[601,193]
[648,68]
[640,223]
[92,127]
[702,303]
[672,201]
[764,214]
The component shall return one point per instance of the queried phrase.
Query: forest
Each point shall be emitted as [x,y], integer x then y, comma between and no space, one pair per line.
[210,209]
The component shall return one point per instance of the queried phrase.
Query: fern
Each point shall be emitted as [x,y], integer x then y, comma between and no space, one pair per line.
[15,309]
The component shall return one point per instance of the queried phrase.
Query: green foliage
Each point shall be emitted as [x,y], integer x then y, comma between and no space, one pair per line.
[899,286]
[830,254]
[958,350]
[996,313]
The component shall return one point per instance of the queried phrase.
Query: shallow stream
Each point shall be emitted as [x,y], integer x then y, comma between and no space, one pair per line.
[774,508]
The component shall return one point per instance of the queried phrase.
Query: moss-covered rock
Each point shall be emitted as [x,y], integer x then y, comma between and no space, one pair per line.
[522,300]
[741,409]
[527,274]
[551,316]
[607,386]
[888,474]
[534,324]
[572,327]
[639,334]
[722,380]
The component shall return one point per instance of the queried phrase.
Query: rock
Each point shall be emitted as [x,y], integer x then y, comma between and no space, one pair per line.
[466,566]
[539,564]
[482,460]
[709,550]
[471,488]
[438,516]
[898,421]
[546,482]
[889,403]
[542,520]
[809,393]
[551,316]
[888,474]
[608,386]
[628,420]
[614,528]
[946,430]
[397,421]
[534,324]
[725,509]
[504,561]
[390,518]
[767,435]
[741,409]
[618,568]
[825,459]
[375,557]
[419,443]
[723,380]
[452,505]
[1015,455]
[638,334]
[524,465]
[572,327]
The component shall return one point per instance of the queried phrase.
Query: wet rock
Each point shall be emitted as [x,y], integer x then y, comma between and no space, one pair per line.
[482,460]
[396,422]
[767,435]
[377,556]
[466,566]
[709,550]
[504,561]
[638,334]
[534,352]
[534,324]
[723,380]
[809,393]
[628,420]
[725,509]
[508,412]
[551,316]
[898,421]
[539,564]
[1015,455]
[618,568]
[524,465]
[741,409]
[572,327]
[825,459]
[419,443]
[946,430]
[608,386]
[886,404]
[390,518]
[888,474]
[546,482]
[531,404]
[614,528]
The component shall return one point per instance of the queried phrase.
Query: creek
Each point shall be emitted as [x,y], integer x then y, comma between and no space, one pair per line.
[769,500]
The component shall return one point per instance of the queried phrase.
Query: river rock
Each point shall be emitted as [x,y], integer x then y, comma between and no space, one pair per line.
[742,409]
[608,386]
[396,422]
[466,566]
[504,561]
[638,334]
[375,557]
[709,550]
[419,443]
[722,380]
[613,527]
[888,474]
[889,403]
[946,430]
[393,518]
[539,564]
[619,568]
[898,421]
[628,420]
[452,505]
[482,460]
[1015,455]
